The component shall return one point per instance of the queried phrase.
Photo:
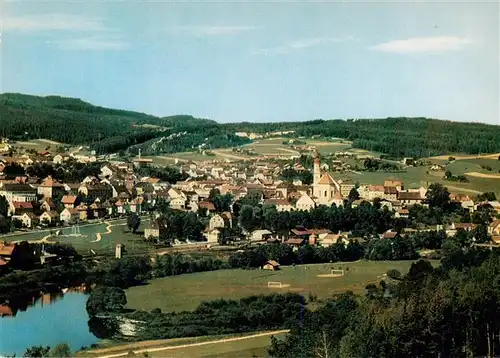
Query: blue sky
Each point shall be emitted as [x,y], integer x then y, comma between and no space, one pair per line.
[259,61]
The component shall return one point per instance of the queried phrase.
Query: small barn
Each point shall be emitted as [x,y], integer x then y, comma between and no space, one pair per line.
[271,265]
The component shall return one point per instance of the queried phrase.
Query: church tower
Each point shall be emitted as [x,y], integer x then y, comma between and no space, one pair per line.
[317,169]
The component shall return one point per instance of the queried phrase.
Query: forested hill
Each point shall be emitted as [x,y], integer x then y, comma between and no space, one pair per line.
[398,137]
[73,121]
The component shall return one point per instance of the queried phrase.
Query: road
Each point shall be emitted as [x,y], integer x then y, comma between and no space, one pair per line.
[160,349]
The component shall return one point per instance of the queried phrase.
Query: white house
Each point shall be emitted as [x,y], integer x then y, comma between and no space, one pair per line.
[27,219]
[216,221]
[178,203]
[259,235]
[305,203]
[212,235]
[58,159]
[69,215]
[281,204]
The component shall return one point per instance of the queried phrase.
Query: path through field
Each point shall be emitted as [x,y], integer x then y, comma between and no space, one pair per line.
[289,151]
[483,175]
[27,143]
[460,157]
[458,188]
[228,155]
[171,158]
[173,348]
[48,141]
[43,240]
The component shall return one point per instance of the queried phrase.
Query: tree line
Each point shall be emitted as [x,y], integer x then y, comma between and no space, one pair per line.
[73,121]
[448,311]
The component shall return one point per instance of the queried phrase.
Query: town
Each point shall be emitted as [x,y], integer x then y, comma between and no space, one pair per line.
[249,179]
[211,196]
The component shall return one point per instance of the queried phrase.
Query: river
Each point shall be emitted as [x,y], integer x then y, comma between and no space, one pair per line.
[47,320]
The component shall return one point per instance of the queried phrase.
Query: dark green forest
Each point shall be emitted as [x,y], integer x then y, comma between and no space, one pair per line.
[73,121]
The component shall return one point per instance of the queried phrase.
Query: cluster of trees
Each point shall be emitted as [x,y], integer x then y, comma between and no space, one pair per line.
[363,219]
[135,270]
[289,175]
[182,225]
[376,249]
[177,264]
[487,196]
[373,165]
[257,257]
[168,174]
[441,209]
[254,313]
[126,272]
[47,279]
[5,222]
[61,350]
[105,299]
[67,172]
[448,175]
[449,311]
[221,202]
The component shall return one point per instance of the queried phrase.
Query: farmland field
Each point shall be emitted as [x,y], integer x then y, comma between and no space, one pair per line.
[170,293]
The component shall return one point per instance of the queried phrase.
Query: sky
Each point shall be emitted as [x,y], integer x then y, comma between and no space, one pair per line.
[259,61]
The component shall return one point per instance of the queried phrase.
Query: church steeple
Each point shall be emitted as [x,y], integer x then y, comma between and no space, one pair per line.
[317,169]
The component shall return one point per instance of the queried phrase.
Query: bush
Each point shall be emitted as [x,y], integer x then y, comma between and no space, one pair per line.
[394,274]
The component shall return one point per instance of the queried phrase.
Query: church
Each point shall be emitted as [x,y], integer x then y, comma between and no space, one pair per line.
[326,191]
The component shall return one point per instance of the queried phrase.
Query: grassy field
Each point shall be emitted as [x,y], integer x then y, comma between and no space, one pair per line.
[170,293]
[245,345]
[109,238]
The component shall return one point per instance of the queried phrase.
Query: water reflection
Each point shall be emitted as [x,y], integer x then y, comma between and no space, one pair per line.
[46,319]
[12,306]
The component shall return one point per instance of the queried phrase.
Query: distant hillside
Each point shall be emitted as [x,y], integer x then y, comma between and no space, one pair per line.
[397,137]
[73,121]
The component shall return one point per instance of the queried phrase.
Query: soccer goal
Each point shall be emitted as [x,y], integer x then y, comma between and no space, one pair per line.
[274,284]
[337,273]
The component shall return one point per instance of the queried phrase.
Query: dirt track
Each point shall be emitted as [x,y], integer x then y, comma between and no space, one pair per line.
[483,175]
[459,189]
[228,155]
[460,157]
[130,347]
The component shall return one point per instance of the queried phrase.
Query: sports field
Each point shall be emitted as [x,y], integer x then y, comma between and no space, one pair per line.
[186,292]
[110,233]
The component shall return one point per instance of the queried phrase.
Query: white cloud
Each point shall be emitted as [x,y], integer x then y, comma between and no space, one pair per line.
[98,36]
[51,22]
[302,44]
[92,43]
[205,31]
[423,44]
